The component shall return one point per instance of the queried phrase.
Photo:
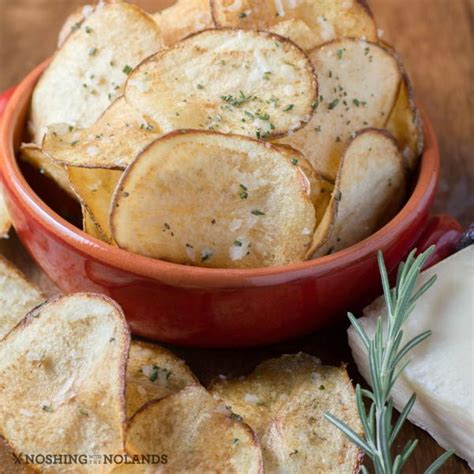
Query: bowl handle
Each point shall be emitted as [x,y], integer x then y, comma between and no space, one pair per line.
[443,231]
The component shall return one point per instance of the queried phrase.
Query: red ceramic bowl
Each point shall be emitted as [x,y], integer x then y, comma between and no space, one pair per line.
[212,307]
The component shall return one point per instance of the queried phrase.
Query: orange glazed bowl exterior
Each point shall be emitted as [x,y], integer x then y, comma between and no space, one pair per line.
[199,306]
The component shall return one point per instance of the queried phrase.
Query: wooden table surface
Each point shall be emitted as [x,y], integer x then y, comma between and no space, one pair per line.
[435,39]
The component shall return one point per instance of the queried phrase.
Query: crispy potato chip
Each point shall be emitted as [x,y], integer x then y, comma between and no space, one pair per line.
[35,156]
[95,188]
[90,227]
[17,296]
[284,400]
[214,200]
[182,19]
[153,373]
[62,376]
[369,191]
[117,137]
[295,30]
[197,433]
[89,70]
[358,85]
[73,22]
[405,125]
[321,188]
[232,81]
[5,222]
[326,19]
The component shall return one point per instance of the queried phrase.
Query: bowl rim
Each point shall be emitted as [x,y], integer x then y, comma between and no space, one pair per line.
[191,276]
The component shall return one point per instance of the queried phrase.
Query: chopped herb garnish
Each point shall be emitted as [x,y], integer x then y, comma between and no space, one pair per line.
[257,212]
[266,75]
[242,15]
[289,107]
[92,51]
[127,69]
[294,161]
[340,52]
[356,102]
[322,387]
[83,412]
[237,243]
[236,417]
[154,373]
[235,441]
[262,116]
[236,101]
[200,86]
[333,104]
[47,408]
[88,29]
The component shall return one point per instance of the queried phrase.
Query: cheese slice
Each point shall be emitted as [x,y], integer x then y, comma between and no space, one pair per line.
[441,369]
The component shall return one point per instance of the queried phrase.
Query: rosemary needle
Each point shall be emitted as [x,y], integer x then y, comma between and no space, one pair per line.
[386,363]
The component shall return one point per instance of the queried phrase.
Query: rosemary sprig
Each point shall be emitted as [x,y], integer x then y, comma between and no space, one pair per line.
[386,363]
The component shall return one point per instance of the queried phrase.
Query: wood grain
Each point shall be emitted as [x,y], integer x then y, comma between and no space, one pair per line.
[435,39]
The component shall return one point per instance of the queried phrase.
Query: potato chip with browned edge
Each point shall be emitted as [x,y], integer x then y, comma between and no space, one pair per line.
[153,373]
[88,72]
[197,433]
[284,401]
[17,296]
[325,20]
[370,190]
[113,141]
[358,85]
[214,200]
[62,381]
[95,188]
[233,81]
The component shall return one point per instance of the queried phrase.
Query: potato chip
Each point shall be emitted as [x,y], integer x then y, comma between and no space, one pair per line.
[284,400]
[182,19]
[153,373]
[62,376]
[117,137]
[35,156]
[90,227]
[369,191]
[295,30]
[95,188]
[5,222]
[327,19]
[358,85]
[197,433]
[73,22]
[17,296]
[233,81]
[87,73]
[405,125]
[321,188]
[214,200]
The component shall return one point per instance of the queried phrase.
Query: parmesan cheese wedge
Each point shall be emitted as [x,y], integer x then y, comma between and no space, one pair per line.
[441,370]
